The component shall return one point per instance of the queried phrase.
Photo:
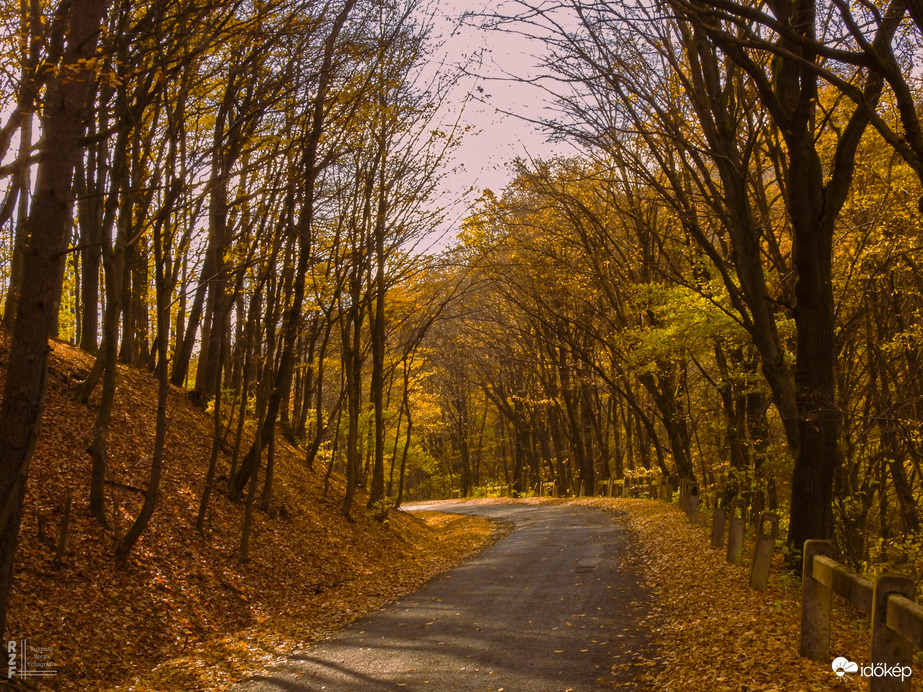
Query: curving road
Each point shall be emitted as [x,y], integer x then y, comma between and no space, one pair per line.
[549,608]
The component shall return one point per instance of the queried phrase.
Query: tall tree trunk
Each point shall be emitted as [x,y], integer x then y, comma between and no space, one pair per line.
[108,358]
[584,467]
[162,303]
[377,488]
[397,440]
[186,339]
[673,417]
[106,364]
[293,315]
[213,458]
[224,155]
[353,404]
[20,182]
[63,124]
[352,362]
[320,427]
[403,473]
[90,219]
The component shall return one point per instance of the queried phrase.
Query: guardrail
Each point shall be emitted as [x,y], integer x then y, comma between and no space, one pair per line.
[546,489]
[650,486]
[653,486]
[500,490]
[897,621]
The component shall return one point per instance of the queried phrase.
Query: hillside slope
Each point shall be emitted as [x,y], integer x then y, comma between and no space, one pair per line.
[186,612]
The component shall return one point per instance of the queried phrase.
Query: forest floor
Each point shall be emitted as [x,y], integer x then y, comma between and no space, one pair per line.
[186,612]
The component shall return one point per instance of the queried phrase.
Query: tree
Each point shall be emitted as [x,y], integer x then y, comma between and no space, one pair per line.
[311,166]
[64,113]
[815,192]
[724,80]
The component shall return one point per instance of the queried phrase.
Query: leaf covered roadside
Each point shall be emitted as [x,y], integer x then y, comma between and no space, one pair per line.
[294,624]
[711,630]
[186,613]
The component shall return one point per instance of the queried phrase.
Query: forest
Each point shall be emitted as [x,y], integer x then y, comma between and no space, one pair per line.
[722,284]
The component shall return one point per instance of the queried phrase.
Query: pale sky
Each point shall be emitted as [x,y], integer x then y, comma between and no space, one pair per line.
[497,138]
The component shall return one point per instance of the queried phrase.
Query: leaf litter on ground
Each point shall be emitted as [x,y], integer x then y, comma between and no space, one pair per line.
[712,632]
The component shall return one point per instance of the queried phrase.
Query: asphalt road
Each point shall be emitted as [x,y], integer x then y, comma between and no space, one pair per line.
[549,608]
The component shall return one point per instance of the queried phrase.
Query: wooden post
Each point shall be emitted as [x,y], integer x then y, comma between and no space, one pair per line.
[815,605]
[735,552]
[718,523]
[693,502]
[762,552]
[889,649]
[666,490]
[625,487]
[62,533]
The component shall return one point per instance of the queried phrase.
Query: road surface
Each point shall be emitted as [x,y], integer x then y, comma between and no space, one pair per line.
[549,608]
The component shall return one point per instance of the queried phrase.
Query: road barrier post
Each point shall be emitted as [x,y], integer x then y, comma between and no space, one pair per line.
[694,502]
[815,605]
[667,490]
[718,523]
[736,532]
[889,649]
[762,552]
